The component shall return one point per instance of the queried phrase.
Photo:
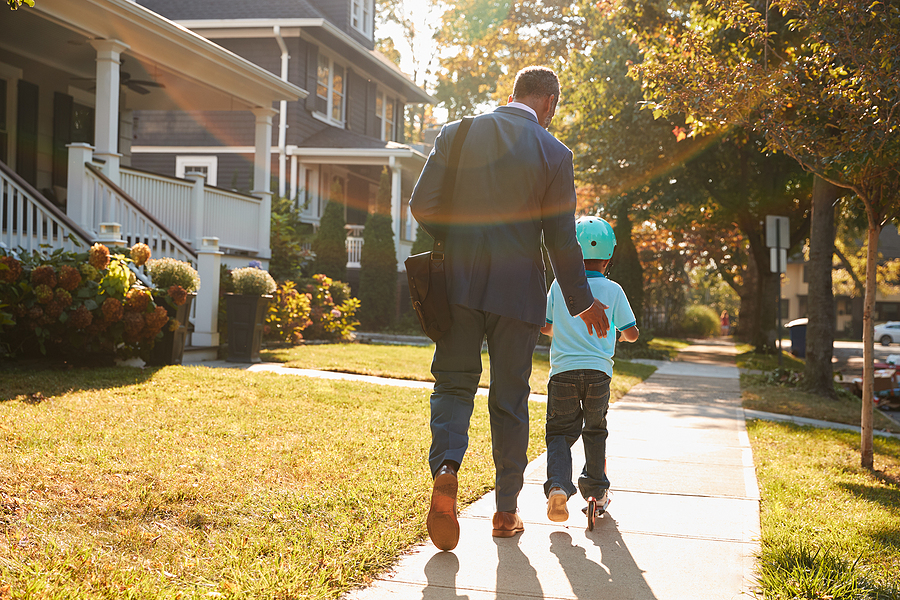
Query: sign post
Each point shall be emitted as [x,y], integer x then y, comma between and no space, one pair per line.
[778,239]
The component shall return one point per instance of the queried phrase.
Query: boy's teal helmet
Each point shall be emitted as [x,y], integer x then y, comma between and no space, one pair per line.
[596,236]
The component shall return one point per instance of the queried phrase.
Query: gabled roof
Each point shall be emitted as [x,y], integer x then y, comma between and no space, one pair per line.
[352,148]
[180,10]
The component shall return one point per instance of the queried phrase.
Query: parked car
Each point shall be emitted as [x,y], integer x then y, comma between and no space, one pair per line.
[888,333]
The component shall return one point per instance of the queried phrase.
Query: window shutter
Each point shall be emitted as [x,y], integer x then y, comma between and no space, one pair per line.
[371,119]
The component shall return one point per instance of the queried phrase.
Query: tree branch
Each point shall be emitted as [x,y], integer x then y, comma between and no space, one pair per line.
[849,268]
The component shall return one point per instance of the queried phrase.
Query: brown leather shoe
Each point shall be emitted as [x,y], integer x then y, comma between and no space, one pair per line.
[507,524]
[443,526]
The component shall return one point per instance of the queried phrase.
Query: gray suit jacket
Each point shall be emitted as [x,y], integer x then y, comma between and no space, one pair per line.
[515,182]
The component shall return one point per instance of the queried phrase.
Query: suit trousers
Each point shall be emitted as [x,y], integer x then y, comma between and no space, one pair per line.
[457,369]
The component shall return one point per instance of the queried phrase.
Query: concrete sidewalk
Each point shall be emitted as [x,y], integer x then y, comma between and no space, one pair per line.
[684,521]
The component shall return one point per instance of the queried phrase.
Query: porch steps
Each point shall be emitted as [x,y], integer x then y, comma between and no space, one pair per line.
[199,354]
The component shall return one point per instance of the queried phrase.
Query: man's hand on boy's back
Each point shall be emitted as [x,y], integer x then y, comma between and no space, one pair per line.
[595,319]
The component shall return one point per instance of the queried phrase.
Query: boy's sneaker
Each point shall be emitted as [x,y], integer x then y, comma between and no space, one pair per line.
[602,504]
[557,511]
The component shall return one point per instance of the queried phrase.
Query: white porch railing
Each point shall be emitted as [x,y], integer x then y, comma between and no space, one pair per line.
[31,222]
[107,202]
[169,200]
[193,210]
[354,245]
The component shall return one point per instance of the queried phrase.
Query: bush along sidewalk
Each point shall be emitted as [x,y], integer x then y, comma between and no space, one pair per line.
[79,304]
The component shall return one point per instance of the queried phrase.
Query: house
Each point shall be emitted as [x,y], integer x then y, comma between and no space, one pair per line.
[333,144]
[848,311]
[73,73]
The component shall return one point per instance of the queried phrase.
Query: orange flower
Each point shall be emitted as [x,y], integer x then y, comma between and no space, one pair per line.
[99,256]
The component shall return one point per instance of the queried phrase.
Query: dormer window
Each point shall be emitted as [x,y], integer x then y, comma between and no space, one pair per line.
[361,17]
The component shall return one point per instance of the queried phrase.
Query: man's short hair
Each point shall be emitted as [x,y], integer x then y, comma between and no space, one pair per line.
[536,81]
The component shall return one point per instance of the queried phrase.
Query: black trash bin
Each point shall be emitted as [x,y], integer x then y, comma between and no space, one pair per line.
[797,328]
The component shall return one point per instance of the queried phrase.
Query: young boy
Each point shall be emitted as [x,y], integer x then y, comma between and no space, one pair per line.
[580,369]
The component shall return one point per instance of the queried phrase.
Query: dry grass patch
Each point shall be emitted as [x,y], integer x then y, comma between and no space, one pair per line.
[783,400]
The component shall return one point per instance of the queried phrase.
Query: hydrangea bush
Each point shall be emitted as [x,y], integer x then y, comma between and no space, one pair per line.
[77,303]
[252,281]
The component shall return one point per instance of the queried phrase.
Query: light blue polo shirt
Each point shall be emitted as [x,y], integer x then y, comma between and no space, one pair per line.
[572,347]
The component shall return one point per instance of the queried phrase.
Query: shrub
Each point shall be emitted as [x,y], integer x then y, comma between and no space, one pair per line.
[378,263]
[330,243]
[700,321]
[166,272]
[290,260]
[252,281]
[75,304]
[288,314]
[330,320]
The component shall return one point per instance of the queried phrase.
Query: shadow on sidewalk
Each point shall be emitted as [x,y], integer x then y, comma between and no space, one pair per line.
[616,576]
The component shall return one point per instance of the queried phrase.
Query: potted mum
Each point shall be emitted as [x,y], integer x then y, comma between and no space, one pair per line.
[246,311]
[176,283]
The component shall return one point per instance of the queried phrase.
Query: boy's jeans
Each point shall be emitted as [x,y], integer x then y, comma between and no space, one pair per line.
[575,398]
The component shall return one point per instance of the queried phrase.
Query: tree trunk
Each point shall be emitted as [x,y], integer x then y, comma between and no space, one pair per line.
[866,447]
[626,268]
[747,294]
[818,376]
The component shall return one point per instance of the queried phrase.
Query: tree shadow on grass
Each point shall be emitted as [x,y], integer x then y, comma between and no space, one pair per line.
[35,381]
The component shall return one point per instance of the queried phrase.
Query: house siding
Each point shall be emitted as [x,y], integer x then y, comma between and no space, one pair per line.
[357,109]
[234,171]
[193,128]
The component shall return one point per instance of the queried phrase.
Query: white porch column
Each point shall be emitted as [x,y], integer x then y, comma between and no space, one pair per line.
[198,218]
[396,199]
[262,175]
[206,324]
[106,111]
[79,195]
[294,179]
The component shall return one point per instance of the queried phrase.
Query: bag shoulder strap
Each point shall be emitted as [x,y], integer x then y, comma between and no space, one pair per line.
[450,177]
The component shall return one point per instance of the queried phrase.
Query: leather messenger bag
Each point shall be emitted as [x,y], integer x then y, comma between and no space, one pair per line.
[425,271]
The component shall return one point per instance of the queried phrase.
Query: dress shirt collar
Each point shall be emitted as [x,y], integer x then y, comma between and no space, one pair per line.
[524,107]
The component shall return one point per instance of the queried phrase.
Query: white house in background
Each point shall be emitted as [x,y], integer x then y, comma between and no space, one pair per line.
[72,75]
[335,141]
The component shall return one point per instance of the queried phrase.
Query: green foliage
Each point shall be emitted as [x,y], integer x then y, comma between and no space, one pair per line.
[378,264]
[330,243]
[252,281]
[288,314]
[166,272]
[333,310]
[700,321]
[290,261]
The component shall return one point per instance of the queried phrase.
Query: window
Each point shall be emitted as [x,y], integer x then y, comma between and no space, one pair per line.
[384,117]
[361,17]
[330,90]
[208,165]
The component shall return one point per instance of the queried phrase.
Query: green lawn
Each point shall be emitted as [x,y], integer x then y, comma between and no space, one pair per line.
[821,513]
[414,362]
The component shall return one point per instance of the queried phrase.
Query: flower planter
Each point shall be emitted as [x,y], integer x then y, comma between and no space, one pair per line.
[246,319]
[169,350]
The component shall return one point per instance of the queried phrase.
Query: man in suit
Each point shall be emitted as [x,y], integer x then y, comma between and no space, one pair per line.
[515,183]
